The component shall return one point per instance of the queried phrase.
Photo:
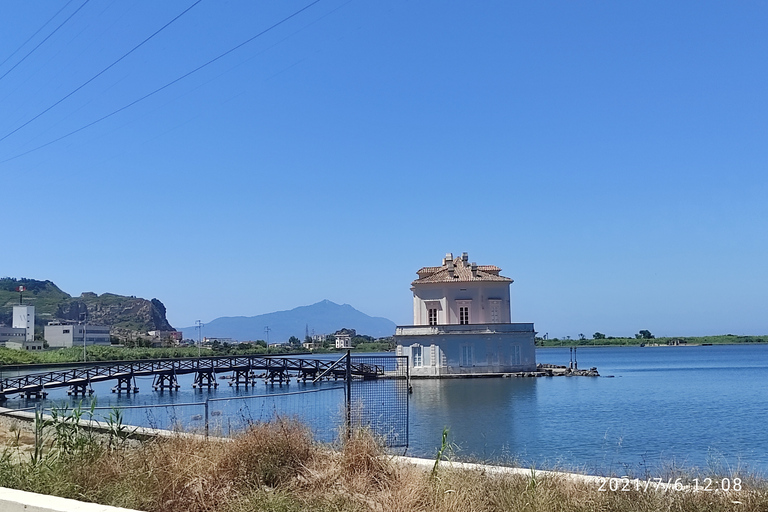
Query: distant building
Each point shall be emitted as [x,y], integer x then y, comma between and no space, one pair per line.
[63,335]
[24,318]
[23,344]
[174,336]
[344,338]
[13,334]
[22,335]
[462,323]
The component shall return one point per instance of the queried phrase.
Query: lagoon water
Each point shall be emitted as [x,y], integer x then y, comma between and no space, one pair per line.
[664,407]
[699,406]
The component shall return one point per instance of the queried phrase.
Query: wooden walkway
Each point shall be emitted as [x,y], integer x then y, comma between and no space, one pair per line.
[244,371]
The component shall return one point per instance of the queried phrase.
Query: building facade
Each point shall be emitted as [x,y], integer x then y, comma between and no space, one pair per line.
[12,334]
[62,335]
[462,323]
[24,318]
[344,337]
[23,344]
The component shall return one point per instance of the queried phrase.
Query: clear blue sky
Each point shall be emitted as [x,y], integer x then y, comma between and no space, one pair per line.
[611,157]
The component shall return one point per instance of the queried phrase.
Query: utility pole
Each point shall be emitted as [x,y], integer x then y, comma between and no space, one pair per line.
[199,327]
[266,331]
[85,324]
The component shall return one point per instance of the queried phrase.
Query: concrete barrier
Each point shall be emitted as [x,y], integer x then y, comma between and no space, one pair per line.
[12,500]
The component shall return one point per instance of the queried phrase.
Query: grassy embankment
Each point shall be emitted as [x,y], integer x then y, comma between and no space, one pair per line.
[278,466]
[725,339]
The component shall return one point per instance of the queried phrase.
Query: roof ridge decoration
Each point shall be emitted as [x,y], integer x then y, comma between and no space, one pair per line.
[459,269]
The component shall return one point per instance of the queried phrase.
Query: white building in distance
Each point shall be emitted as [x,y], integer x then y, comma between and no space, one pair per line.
[344,337]
[22,335]
[61,335]
[462,323]
[24,318]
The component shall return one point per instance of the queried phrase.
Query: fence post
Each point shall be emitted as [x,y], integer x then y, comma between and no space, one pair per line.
[206,418]
[38,417]
[348,378]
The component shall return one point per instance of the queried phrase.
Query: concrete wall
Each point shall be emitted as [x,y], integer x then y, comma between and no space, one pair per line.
[468,353]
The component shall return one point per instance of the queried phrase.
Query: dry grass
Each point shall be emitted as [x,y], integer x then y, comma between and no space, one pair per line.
[277,466]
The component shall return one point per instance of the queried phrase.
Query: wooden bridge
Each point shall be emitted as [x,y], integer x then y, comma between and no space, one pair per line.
[243,371]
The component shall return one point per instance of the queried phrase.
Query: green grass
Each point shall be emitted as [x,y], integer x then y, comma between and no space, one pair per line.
[725,339]
[277,466]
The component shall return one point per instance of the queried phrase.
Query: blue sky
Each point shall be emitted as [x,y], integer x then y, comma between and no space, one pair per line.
[611,157]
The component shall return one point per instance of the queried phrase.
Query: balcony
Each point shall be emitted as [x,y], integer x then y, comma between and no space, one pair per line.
[424,330]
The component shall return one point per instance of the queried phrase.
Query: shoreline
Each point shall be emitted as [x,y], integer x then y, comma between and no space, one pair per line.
[11,420]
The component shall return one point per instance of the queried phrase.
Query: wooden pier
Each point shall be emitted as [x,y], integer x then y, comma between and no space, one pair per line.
[245,370]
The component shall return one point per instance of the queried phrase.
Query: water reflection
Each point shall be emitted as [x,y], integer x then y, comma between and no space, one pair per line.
[483,415]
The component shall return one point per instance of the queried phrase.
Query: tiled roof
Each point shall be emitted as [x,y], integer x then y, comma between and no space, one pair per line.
[459,270]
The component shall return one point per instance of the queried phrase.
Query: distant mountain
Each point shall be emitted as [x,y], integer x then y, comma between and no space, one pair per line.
[325,317]
[51,303]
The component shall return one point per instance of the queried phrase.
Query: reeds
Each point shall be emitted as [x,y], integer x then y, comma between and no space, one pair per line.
[277,466]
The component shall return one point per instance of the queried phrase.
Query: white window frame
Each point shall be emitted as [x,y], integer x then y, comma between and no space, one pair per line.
[417,356]
[465,306]
[467,355]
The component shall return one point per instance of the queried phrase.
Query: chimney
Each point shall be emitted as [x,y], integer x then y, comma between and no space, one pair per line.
[451,268]
[465,257]
[474,269]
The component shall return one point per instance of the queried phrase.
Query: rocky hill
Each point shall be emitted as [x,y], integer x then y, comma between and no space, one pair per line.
[51,303]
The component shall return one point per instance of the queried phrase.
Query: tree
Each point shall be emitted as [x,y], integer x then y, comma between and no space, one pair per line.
[582,337]
[598,336]
[646,334]
[294,341]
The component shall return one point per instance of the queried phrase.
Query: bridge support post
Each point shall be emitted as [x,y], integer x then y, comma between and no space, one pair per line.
[277,375]
[80,388]
[165,381]
[241,377]
[205,378]
[126,384]
[35,393]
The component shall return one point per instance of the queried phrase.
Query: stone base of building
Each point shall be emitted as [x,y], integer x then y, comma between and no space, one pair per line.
[467,350]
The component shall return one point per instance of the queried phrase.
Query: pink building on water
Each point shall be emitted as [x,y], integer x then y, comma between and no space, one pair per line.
[462,323]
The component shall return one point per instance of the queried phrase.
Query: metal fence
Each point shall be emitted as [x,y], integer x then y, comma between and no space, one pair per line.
[330,408]
[381,405]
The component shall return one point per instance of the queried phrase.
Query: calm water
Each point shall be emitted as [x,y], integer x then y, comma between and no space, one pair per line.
[687,406]
[703,407]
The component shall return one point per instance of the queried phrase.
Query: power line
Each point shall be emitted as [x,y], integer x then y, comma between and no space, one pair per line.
[102,71]
[44,40]
[134,102]
[36,32]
